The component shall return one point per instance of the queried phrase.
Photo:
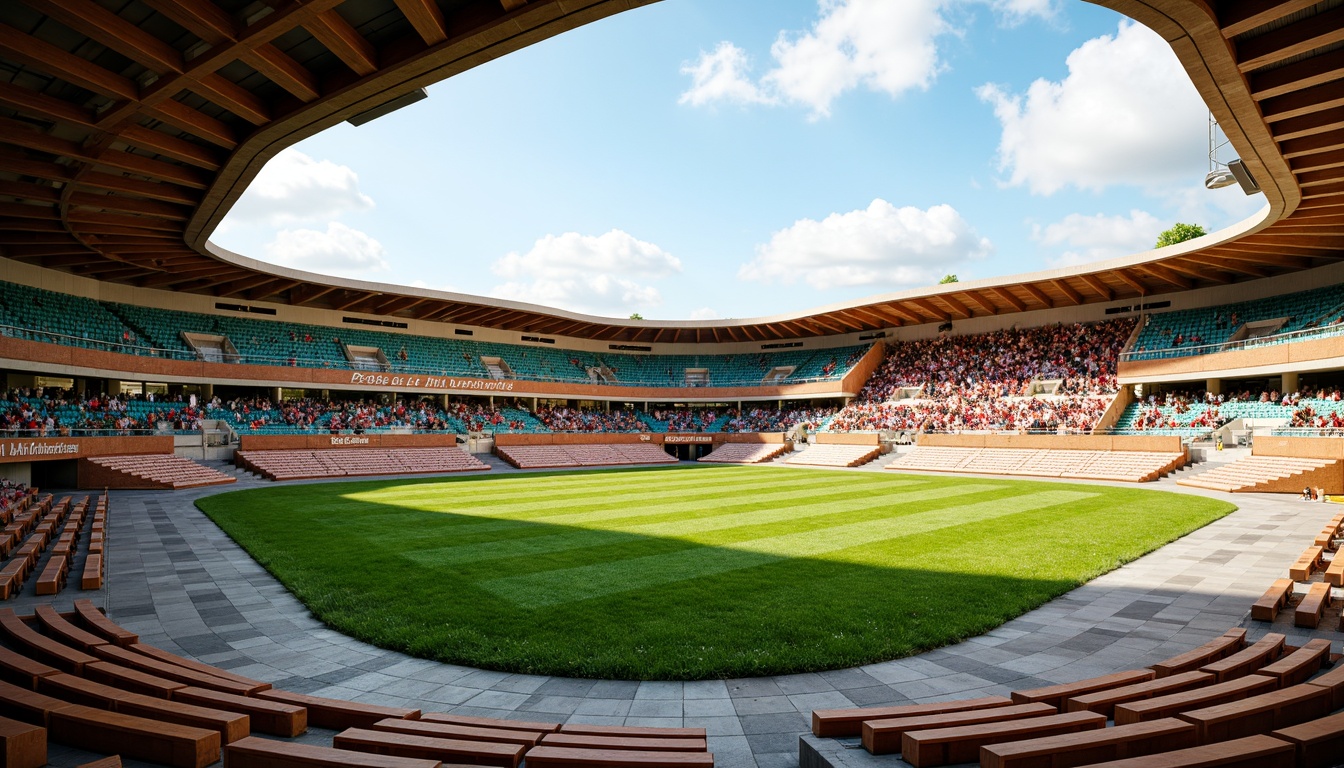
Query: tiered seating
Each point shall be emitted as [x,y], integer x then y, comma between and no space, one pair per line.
[746,453]
[596,455]
[1250,472]
[81,680]
[1126,466]
[26,537]
[1175,713]
[356,462]
[92,575]
[1308,313]
[835,455]
[163,471]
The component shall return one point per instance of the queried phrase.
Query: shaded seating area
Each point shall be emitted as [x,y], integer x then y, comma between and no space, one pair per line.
[835,455]
[161,471]
[356,462]
[746,453]
[594,455]
[1124,466]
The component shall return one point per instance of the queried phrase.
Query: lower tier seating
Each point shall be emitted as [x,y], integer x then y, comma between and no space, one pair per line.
[1126,466]
[163,471]
[835,455]
[1252,472]
[356,462]
[745,453]
[598,455]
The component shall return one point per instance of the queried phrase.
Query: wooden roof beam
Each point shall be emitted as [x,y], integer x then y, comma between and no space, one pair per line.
[39,105]
[193,121]
[1174,265]
[1039,295]
[49,59]
[512,5]
[1317,98]
[167,193]
[107,28]
[1236,17]
[1298,75]
[1131,281]
[284,71]
[1307,125]
[930,309]
[1068,291]
[1308,145]
[222,92]
[957,306]
[1291,40]
[984,303]
[427,19]
[199,17]
[1007,295]
[312,292]
[169,146]
[1228,265]
[336,35]
[1095,283]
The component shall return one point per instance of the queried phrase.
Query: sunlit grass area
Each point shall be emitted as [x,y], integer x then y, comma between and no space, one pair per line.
[688,573]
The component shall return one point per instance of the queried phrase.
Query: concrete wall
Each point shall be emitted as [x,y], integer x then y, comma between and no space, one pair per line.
[1300,447]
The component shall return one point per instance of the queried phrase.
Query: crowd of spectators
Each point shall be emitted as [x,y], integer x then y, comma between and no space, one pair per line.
[50,412]
[1166,411]
[576,420]
[776,419]
[316,415]
[11,492]
[685,419]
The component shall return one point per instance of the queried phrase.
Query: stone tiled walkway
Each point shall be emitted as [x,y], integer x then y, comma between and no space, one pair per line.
[175,578]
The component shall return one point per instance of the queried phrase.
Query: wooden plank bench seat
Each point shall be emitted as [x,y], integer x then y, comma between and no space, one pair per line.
[272,717]
[564,757]
[633,731]
[92,575]
[1334,572]
[52,578]
[1230,642]
[107,762]
[1298,666]
[140,662]
[944,746]
[115,675]
[465,732]
[645,744]
[154,741]
[429,747]
[1275,598]
[22,745]
[12,575]
[22,671]
[1104,702]
[1307,564]
[1319,743]
[207,669]
[256,752]
[94,620]
[849,722]
[1334,682]
[1259,714]
[487,722]
[1309,612]
[1116,743]
[76,690]
[1247,660]
[27,705]
[336,713]
[60,628]
[41,647]
[1056,695]
[1173,704]
[883,737]
[1251,752]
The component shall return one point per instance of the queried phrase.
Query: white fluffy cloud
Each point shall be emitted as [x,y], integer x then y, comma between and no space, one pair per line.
[1125,114]
[605,275]
[722,75]
[881,246]
[294,188]
[339,250]
[1079,239]
[1013,12]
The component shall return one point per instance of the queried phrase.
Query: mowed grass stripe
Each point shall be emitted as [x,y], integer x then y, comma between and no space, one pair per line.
[567,585]
[688,530]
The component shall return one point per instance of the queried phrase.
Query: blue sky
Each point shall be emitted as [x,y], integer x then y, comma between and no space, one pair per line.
[697,159]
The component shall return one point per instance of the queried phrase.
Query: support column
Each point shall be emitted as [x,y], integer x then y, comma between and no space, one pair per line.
[276,395]
[1213,386]
[1289,383]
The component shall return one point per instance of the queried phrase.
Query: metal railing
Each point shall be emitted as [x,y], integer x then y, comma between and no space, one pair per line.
[1325,332]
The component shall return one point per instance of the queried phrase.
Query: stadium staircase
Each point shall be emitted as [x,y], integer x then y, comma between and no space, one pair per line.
[1265,474]
[834,455]
[746,453]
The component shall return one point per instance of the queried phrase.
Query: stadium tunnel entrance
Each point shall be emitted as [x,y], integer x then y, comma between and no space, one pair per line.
[688,452]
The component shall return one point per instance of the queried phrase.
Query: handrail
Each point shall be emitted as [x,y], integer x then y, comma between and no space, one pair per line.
[1324,332]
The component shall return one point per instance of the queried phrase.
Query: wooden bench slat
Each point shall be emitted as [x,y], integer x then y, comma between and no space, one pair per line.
[1259,714]
[96,622]
[1306,564]
[273,717]
[1308,612]
[1334,681]
[943,746]
[41,647]
[1104,702]
[115,675]
[1298,666]
[428,747]
[1056,695]
[1247,660]
[564,757]
[1170,705]
[1230,642]
[57,626]
[585,741]
[76,690]
[633,731]
[849,722]
[883,737]
[336,713]
[22,671]
[1319,743]
[149,665]
[487,722]
[464,732]
[207,669]
[22,745]
[256,752]
[1251,752]
[155,741]
[1122,741]
[1275,598]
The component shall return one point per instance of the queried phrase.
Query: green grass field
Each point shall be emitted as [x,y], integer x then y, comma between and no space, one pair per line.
[689,573]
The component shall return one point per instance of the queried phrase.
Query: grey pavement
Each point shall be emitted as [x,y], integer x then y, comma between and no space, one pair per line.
[179,581]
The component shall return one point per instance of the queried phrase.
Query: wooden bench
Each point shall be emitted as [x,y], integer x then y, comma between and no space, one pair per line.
[1334,573]
[1309,612]
[41,647]
[1104,702]
[207,669]
[27,705]
[107,762]
[1319,743]
[272,717]
[430,748]
[96,622]
[1298,666]
[1056,695]
[256,752]
[943,746]
[127,657]
[52,578]
[564,757]
[76,690]
[1307,564]
[22,671]
[633,731]
[22,745]
[11,578]
[1259,714]
[115,675]
[849,722]
[1275,598]
[1247,660]
[1230,642]
[92,575]
[487,722]
[1251,752]
[464,732]
[1173,704]
[336,713]
[638,744]
[154,741]
[1334,682]
[1116,743]
[883,737]
[60,628]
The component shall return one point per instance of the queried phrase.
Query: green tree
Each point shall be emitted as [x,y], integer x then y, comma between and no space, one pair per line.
[636,316]
[948,279]
[1179,233]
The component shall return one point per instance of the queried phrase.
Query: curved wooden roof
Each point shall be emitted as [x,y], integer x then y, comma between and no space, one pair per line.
[129,127]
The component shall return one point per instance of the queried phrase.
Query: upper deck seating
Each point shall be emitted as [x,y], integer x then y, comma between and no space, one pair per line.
[1183,332]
